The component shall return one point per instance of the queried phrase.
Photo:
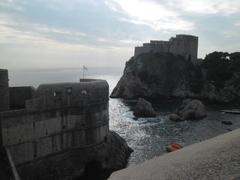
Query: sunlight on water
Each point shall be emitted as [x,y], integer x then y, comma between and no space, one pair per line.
[147,136]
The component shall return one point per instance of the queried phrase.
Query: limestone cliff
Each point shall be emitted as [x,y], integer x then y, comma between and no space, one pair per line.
[154,75]
[163,75]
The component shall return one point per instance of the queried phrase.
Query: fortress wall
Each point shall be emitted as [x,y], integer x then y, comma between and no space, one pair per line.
[186,46]
[4,90]
[32,134]
[160,47]
[18,96]
[153,46]
[64,165]
[141,50]
[50,96]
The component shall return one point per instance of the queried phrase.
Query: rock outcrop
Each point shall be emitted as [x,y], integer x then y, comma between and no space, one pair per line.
[118,151]
[112,155]
[143,108]
[175,117]
[163,76]
[189,110]
[157,75]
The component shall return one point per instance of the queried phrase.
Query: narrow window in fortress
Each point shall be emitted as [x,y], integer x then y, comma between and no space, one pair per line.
[35,149]
[56,93]
[105,139]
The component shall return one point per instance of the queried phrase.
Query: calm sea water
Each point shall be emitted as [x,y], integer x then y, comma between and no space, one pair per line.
[147,136]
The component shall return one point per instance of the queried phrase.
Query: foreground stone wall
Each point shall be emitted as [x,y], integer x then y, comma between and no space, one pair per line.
[63,121]
[4,92]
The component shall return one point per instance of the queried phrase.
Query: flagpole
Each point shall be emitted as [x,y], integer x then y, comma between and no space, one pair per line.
[83,71]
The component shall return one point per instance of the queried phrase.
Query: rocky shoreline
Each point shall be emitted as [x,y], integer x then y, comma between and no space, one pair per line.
[116,152]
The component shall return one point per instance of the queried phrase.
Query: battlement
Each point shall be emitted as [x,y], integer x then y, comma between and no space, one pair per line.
[185,36]
[61,122]
[182,44]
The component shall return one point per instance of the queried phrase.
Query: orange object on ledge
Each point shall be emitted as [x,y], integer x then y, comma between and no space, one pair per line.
[173,147]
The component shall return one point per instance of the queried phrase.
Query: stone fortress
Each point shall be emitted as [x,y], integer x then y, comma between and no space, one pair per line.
[185,45]
[54,131]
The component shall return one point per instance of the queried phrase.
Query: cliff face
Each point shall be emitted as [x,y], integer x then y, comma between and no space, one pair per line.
[163,75]
[158,75]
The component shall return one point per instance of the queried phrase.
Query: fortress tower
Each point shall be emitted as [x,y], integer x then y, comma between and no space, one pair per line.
[185,45]
[4,90]
[64,127]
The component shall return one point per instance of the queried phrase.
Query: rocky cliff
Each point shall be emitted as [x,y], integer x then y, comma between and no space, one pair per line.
[111,156]
[163,75]
[158,75]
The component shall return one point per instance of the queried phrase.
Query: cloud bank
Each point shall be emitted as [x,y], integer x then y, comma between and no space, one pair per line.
[61,33]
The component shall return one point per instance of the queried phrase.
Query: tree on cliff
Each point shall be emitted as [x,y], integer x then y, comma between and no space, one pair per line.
[221,67]
[218,68]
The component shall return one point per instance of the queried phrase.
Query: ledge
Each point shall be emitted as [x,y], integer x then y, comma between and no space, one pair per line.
[216,158]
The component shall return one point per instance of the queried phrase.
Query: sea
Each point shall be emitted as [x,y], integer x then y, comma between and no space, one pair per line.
[148,137]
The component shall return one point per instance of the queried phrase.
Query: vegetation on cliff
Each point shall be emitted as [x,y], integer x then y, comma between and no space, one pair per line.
[222,71]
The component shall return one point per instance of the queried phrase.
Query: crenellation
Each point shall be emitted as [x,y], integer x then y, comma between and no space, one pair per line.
[184,45]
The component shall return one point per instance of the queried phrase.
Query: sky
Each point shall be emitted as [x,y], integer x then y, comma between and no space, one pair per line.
[103,33]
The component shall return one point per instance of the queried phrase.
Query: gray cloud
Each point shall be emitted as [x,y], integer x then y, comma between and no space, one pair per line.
[103,30]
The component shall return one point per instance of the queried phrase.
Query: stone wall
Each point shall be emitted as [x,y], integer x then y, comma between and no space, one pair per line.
[18,96]
[4,91]
[185,45]
[63,120]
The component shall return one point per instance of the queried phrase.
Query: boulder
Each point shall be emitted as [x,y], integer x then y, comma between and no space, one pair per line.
[175,117]
[110,156]
[118,151]
[144,108]
[190,110]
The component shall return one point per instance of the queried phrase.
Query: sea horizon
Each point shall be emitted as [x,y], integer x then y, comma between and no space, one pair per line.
[36,76]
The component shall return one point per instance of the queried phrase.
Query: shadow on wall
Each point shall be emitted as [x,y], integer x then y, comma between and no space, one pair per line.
[19,95]
[94,171]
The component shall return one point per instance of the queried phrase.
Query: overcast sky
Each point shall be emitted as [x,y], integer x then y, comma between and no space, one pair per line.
[70,33]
